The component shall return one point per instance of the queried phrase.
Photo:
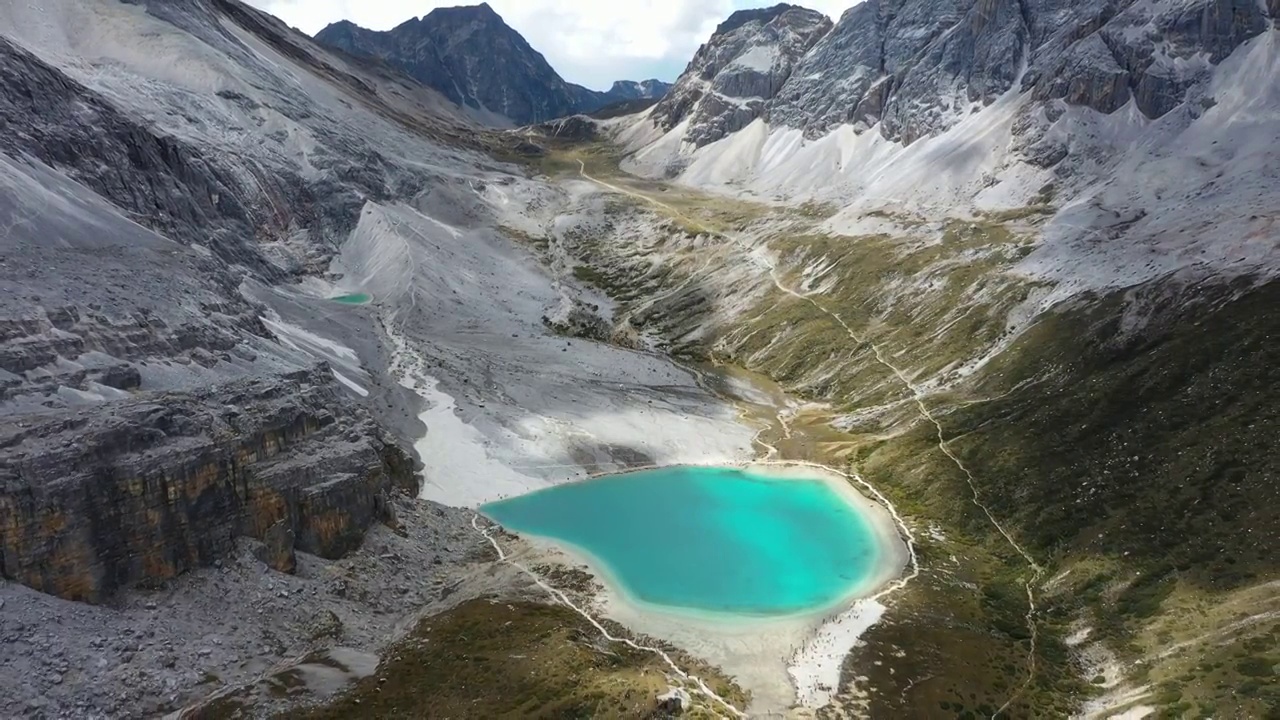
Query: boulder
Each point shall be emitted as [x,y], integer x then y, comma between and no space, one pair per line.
[675,701]
[277,548]
[746,63]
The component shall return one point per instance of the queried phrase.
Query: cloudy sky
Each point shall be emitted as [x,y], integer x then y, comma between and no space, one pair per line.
[592,42]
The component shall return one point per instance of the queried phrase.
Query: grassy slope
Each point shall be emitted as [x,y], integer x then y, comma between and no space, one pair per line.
[1105,456]
[500,659]
[1146,463]
[973,640]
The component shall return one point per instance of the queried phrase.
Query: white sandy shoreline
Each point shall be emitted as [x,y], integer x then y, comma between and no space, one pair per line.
[782,660]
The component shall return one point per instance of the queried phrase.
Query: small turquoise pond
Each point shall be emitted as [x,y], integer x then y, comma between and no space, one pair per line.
[714,540]
[354,299]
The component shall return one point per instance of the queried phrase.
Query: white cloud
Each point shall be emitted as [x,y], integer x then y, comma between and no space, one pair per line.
[592,42]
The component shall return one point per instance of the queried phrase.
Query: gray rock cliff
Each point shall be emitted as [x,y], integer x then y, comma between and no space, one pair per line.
[148,416]
[143,489]
[744,65]
[915,68]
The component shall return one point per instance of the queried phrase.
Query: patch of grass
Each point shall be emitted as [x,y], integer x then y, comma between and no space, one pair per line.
[1138,443]
[934,302]
[497,659]
[540,243]
[559,157]
[1028,212]
[588,274]
[1151,449]
[1138,461]
[815,210]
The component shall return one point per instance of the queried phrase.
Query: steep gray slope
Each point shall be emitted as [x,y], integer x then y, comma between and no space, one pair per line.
[739,70]
[154,414]
[146,400]
[187,187]
[475,59]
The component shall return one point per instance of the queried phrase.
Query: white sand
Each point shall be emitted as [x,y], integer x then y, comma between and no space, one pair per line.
[815,667]
[782,661]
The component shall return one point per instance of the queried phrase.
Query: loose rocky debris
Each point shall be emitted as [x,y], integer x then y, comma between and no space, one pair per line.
[151,652]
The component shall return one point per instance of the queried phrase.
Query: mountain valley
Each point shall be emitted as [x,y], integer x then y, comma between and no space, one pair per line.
[281,314]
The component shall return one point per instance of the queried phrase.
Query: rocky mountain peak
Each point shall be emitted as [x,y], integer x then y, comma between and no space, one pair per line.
[471,56]
[916,68]
[739,70]
[339,26]
[642,90]
[762,15]
[481,13]
[475,59]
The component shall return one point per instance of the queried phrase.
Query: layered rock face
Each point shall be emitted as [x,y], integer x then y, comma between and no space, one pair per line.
[148,416]
[739,70]
[917,67]
[475,59]
[141,490]
[1101,54]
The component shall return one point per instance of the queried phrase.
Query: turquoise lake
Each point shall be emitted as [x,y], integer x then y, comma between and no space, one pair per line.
[354,299]
[713,540]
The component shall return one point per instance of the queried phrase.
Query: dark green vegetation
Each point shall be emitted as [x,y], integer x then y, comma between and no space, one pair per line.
[1158,446]
[1146,461]
[1140,465]
[963,624]
[491,658]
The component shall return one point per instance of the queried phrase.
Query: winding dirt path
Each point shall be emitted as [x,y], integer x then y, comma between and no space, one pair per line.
[918,395]
[700,686]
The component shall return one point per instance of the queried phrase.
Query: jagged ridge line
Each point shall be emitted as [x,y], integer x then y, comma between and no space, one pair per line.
[917,394]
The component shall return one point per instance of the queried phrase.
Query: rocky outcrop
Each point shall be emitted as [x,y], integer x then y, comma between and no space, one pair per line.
[914,68]
[972,63]
[674,702]
[277,551]
[1168,48]
[148,418]
[742,67]
[831,82]
[1087,74]
[475,59]
[141,490]
[575,127]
